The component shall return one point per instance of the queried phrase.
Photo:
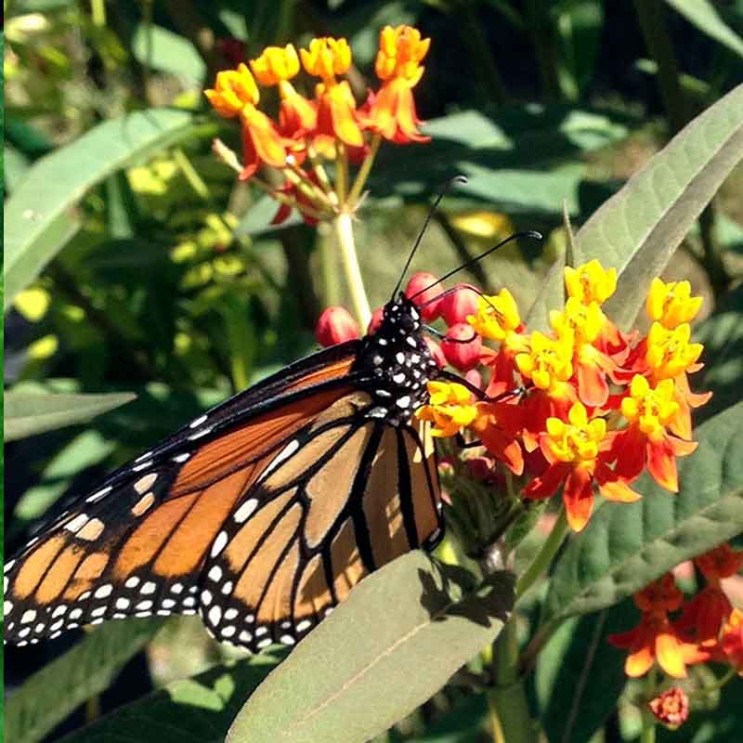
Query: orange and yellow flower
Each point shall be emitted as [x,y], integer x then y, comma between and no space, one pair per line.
[235,93]
[655,638]
[277,66]
[578,452]
[391,112]
[650,411]
[337,118]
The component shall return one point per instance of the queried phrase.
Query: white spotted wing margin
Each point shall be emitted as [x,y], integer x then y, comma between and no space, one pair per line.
[316,524]
[44,582]
[412,611]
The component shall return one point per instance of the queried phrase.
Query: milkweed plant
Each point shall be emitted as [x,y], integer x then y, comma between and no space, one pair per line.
[545,420]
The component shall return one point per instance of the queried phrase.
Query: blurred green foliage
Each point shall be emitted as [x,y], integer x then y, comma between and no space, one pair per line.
[136,263]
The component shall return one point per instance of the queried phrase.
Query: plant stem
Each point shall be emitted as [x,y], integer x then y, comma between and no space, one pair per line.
[344,231]
[648,721]
[508,705]
[364,171]
[480,50]
[341,172]
[545,555]
[659,46]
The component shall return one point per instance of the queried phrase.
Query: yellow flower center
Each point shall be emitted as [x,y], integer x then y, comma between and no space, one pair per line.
[450,408]
[548,363]
[651,408]
[326,58]
[233,91]
[669,352]
[672,304]
[590,282]
[577,440]
[276,65]
[401,50]
[584,321]
[497,316]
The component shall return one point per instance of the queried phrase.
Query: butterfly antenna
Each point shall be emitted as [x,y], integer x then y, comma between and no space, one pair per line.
[529,233]
[444,190]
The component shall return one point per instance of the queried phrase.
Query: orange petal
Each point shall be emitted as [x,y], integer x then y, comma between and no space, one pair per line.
[668,649]
[639,662]
[618,491]
[547,483]
[662,464]
[593,389]
[577,496]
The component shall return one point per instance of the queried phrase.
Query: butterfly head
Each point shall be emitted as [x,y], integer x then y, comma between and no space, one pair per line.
[396,362]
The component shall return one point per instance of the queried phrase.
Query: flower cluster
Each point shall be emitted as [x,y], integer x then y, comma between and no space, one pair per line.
[676,634]
[309,132]
[584,407]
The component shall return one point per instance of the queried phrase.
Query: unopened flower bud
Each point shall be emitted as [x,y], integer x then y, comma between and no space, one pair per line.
[456,306]
[462,346]
[336,326]
[424,298]
[376,320]
[671,707]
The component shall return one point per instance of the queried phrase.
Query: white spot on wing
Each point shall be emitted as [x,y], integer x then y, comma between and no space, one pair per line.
[245,510]
[197,422]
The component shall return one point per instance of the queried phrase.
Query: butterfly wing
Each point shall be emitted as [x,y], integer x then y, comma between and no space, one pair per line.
[136,545]
[342,498]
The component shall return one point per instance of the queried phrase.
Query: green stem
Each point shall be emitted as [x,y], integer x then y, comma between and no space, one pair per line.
[659,46]
[542,30]
[648,721]
[364,171]
[508,704]
[341,172]
[482,56]
[545,555]
[344,231]
[191,174]
[331,290]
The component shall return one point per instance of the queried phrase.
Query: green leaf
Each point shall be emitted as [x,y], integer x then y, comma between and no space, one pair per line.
[705,17]
[391,645]
[579,677]
[157,48]
[29,414]
[521,158]
[639,228]
[59,688]
[40,215]
[199,709]
[627,545]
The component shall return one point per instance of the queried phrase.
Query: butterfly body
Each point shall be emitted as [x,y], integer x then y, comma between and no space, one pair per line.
[260,515]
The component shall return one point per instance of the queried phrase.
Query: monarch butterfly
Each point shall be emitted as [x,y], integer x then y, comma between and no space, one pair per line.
[261,514]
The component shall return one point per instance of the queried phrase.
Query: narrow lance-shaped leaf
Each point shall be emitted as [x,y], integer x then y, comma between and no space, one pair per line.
[27,414]
[705,17]
[390,646]
[638,229]
[62,686]
[40,216]
[626,546]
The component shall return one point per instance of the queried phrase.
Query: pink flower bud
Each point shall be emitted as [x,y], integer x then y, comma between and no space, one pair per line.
[376,320]
[455,307]
[436,352]
[462,346]
[418,283]
[336,326]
